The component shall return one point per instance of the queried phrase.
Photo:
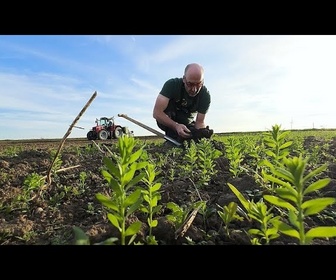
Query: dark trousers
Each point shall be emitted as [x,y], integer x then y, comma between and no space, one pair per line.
[168,131]
[171,111]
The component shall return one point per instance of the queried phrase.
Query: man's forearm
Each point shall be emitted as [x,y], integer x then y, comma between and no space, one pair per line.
[199,125]
[165,120]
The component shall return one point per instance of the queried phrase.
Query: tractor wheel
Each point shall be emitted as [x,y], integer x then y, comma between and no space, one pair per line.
[91,135]
[118,132]
[103,135]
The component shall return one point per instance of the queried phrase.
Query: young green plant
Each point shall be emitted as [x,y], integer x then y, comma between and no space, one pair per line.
[123,174]
[294,185]
[258,212]
[151,196]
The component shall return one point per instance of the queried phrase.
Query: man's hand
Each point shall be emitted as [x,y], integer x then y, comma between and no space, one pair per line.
[183,131]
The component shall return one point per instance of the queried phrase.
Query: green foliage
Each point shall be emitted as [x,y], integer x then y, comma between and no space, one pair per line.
[82,178]
[290,189]
[151,196]
[206,160]
[275,140]
[190,159]
[258,212]
[57,160]
[295,182]
[33,182]
[233,151]
[12,151]
[123,174]
[228,213]
[178,214]
[277,149]
[200,161]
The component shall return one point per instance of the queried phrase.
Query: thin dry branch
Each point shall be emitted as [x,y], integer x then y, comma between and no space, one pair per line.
[62,169]
[97,146]
[187,223]
[196,190]
[66,135]
[45,177]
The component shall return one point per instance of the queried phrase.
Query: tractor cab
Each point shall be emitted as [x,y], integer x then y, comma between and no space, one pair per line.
[105,122]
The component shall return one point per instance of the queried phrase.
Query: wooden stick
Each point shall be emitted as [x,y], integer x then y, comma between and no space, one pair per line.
[97,146]
[44,177]
[63,169]
[187,223]
[158,133]
[66,135]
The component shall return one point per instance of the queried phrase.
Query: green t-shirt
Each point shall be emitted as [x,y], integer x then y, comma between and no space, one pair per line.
[184,106]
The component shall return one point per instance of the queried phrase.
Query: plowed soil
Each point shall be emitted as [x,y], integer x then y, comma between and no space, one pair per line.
[47,217]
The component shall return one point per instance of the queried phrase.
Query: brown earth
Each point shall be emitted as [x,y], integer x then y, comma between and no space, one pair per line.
[47,217]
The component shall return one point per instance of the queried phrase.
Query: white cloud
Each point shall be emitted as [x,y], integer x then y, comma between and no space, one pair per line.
[255,81]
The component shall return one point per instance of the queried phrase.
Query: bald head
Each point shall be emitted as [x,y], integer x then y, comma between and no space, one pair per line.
[194,72]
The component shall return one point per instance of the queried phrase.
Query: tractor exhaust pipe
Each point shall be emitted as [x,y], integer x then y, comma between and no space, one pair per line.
[158,133]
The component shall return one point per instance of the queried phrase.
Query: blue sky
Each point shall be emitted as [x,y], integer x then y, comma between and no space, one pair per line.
[255,81]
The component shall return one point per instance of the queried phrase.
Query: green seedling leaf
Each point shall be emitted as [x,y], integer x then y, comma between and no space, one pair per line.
[286,175]
[265,162]
[146,198]
[144,209]
[270,153]
[173,206]
[132,198]
[241,198]
[128,176]
[153,224]
[112,167]
[135,180]
[107,201]
[113,183]
[315,206]
[228,213]
[141,165]
[106,175]
[326,232]
[315,172]
[80,236]
[114,221]
[156,209]
[133,228]
[155,187]
[279,181]
[154,201]
[286,229]
[286,145]
[289,194]
[272,233]
[134,207]
[317,185]
[135,156]
[293,219]
[279,202]
[254,231]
